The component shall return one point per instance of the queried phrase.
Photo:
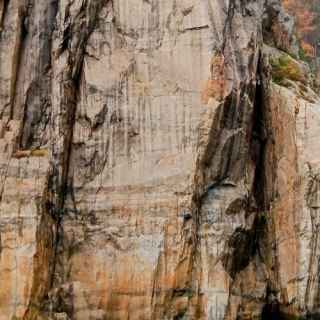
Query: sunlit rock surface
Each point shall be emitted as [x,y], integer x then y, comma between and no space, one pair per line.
[152,167]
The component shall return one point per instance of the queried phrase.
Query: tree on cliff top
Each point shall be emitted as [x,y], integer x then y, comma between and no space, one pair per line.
[307,16]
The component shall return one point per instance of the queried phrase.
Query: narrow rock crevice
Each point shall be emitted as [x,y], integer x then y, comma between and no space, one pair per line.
[37,106]
[21,35]
[259,138]
[58,177]
[3,11]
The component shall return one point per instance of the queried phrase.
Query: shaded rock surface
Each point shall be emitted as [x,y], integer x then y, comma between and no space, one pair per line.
[150,166]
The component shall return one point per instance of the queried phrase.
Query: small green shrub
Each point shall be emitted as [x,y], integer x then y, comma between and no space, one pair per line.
[302,54]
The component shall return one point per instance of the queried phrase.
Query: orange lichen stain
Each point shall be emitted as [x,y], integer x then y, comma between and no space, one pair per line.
[22,154]
[19,154]
[214,87]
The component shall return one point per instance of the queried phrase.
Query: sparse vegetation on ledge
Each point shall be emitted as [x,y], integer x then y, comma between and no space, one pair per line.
[30,153]
[285,68]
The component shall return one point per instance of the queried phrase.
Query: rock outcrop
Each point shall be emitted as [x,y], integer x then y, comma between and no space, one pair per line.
[159,160]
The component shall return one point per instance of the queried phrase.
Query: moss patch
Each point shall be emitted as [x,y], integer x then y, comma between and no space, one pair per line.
[284,68]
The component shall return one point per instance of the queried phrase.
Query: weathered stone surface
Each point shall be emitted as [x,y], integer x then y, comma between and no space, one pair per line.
[150,166]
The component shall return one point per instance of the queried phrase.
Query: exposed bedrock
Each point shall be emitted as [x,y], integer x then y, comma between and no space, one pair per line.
[156,162]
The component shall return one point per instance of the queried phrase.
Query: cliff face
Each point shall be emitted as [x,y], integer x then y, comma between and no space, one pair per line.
[159,160]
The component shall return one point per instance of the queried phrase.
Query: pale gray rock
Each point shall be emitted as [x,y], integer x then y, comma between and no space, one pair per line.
[151,167]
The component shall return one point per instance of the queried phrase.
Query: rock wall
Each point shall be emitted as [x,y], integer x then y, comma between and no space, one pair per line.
[152,166]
